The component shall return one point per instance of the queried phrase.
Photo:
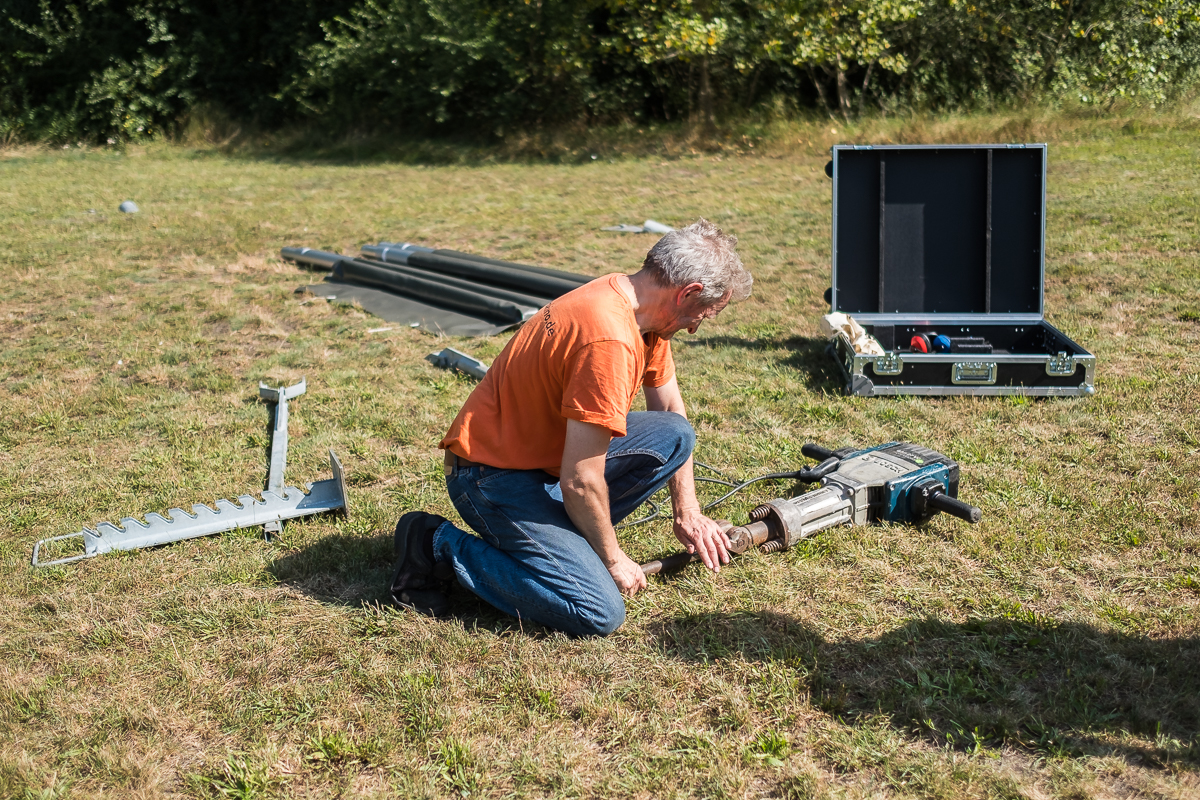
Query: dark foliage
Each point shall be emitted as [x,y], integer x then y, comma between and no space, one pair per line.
[129,69]
[124,69]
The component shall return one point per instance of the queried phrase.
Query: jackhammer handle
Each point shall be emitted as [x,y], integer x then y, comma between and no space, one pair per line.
[814,474]
[816,452]
[957,508]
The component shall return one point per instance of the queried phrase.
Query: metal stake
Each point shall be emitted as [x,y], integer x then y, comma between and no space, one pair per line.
[246,512]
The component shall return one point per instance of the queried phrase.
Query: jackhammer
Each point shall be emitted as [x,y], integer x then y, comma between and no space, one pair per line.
[894,482]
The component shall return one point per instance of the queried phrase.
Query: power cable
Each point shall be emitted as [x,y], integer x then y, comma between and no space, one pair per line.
[737,487]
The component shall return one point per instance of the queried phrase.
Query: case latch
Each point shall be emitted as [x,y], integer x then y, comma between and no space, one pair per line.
[1061,364]
[888,364]
[974,373]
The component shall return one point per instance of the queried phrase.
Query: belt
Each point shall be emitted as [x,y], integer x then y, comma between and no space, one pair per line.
[453,462]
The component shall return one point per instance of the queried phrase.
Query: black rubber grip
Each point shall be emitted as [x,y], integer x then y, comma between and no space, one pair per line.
[957,508]
[816,452]
[814,474]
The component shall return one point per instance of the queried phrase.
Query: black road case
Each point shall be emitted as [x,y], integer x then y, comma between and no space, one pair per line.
[948,240]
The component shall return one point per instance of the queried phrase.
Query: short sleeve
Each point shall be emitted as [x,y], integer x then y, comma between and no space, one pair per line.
[601,379]
[660,363]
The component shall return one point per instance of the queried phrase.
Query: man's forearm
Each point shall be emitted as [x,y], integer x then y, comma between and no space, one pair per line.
[683,490]
[586,504]
[683,482]
[698,532]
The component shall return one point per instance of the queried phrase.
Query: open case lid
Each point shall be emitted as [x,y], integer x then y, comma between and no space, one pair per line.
[938,232]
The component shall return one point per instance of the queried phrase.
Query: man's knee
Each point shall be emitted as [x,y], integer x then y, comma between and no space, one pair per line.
[678,431]
[597,613]
[604,620]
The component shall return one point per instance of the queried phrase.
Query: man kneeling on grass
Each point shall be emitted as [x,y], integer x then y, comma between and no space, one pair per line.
[545,456]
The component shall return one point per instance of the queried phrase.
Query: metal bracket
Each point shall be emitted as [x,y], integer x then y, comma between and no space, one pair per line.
[246,512]
[449,358]
[861,386]
[974,373]
[1061,364]
[889,364]
[279,439]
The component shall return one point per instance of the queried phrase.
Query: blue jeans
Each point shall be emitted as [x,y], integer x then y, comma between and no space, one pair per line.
[529,560]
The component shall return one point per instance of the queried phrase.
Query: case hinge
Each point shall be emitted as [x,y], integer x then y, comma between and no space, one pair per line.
[1061,364]
[974,373]
[888,364]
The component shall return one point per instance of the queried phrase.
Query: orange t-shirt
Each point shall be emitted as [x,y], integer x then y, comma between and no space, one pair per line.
[582,357]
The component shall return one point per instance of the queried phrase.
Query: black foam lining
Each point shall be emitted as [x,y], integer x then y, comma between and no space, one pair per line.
[927,211]
[1016,231]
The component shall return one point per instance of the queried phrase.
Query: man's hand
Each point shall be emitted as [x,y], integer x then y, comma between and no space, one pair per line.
[701,535]
[627,575]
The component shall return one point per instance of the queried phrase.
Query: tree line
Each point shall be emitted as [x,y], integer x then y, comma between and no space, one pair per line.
[119,70]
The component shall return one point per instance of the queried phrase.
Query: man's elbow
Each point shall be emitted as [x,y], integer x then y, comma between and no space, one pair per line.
[577,489]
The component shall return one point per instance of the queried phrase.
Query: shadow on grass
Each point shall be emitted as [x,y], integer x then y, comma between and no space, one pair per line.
[349,570]
[806,354]
[1058,688]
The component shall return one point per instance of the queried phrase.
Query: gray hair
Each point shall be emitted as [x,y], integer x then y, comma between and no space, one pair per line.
[700,253]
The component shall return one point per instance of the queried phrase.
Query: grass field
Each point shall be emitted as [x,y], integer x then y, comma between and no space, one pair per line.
[1051,651]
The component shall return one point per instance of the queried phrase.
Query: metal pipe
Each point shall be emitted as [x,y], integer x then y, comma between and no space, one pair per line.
[388,251]
[547,285]
[327,260]
[741,539]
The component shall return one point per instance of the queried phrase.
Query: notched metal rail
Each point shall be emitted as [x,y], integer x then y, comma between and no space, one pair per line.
[246,512]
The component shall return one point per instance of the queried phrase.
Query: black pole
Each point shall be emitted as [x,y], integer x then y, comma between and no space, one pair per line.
[554,273]
[471,286]
[430,289]
[508,276]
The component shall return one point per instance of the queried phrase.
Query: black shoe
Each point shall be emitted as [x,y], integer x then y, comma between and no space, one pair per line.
[418,582]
